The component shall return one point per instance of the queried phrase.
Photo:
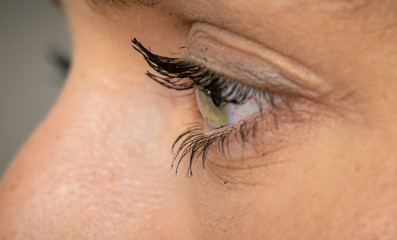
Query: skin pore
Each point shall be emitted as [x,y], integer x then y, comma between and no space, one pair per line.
[98,167]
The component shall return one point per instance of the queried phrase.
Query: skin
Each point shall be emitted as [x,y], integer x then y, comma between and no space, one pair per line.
[98,167]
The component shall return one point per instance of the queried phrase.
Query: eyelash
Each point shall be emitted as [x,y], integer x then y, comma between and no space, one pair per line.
[59,60]
[181,75]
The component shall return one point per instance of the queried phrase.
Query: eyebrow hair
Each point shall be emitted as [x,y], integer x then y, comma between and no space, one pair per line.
[124,3]
[117,3]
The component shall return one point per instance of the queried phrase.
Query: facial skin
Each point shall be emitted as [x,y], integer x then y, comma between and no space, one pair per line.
[98,167]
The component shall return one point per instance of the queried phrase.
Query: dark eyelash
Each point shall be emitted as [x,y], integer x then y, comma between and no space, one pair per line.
[195,144]
[59,60]
[178,74]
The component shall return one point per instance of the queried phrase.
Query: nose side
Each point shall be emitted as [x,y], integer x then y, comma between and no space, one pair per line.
[97,168]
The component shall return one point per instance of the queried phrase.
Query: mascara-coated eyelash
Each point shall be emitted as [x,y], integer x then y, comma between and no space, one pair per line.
[181,75]
[60,60]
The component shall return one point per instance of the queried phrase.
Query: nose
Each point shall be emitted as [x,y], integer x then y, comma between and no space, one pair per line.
[98,167]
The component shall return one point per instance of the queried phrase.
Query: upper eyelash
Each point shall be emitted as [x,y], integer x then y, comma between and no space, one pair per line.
[178,74]
[59,60]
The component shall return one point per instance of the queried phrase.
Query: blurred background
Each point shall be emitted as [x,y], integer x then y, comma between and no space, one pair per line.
[30,33]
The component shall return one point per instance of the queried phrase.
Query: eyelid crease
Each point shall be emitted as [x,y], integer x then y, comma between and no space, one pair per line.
[305,76]
[249,70]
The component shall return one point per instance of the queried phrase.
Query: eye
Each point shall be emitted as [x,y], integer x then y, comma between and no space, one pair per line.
[219,112]
[234,108]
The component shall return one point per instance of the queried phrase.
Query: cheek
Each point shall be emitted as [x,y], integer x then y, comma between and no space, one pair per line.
[326,187]
[97,166]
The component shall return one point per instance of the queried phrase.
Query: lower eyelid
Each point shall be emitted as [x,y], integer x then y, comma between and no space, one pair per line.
[254,136]
[234,151]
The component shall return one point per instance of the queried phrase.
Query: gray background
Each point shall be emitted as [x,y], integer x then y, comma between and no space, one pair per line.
[29,83]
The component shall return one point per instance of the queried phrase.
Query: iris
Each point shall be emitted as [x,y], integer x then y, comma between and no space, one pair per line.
[219,113]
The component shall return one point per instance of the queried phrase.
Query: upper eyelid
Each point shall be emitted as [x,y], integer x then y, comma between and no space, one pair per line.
[304,76]
[179,74]
[242,67]
[174,71]
[258,74]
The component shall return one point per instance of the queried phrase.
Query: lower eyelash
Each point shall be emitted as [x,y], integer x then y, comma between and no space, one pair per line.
[177,74]
[194,144]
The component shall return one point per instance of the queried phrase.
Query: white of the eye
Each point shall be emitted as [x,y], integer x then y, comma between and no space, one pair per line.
[237,112]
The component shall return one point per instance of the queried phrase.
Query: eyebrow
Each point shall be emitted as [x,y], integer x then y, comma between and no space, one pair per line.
[117,3]
[124,3]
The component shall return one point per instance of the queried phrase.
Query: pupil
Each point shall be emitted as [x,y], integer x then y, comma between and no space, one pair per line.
[216,97]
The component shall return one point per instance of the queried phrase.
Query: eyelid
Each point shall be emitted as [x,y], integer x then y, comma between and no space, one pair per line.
[205,39]
[239,66]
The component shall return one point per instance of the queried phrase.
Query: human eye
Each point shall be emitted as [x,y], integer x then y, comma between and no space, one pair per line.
[236,104]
